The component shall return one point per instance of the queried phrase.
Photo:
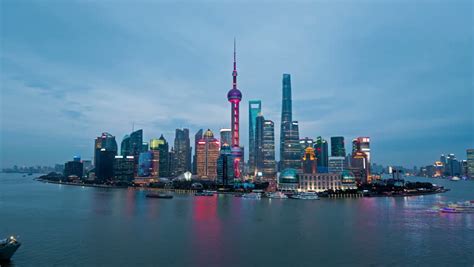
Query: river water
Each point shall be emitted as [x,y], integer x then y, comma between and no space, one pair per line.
[82,226]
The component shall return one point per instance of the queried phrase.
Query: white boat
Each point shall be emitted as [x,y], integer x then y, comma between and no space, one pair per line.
[305,195]
[8,247]
[252,195]
[455,178]
[277,195]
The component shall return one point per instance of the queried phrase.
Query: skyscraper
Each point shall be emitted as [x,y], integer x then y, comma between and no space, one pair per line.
[125,146]
[226,136]
[234,96]
[321,150]
[304,143]
[361,159]
[136,143]
[74,168]
[197,137]
[337,146]
[265,148]
[124,168]
[290,151]
[207,153]
[162,147]
[182,149]
[225,166]
[105,150]
[309,161]
[255,107]
[145,164]
[470,163]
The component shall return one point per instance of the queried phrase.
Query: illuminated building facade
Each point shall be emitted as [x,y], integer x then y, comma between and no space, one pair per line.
[360,164]
[226,137]
[124,167]
[155,163]
[319,182]
[321,150]
[308,161]
[207,154]
[182,152]
[105,149]
[163,149]
[290,149]
[145,164]
[197,137]
[234,96]
[265,149]
[470,163]
[337,146]
[304,143]
[336,164]
[225,166]
[255,108]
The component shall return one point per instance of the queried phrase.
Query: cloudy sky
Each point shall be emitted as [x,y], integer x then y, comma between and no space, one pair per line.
[400,72]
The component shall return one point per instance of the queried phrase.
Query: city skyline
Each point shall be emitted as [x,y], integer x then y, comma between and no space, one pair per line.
[36,86]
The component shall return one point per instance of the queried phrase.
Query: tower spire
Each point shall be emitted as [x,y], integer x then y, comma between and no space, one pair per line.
[234,73]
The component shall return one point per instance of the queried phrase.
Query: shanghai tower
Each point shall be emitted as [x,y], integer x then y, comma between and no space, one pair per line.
[234,96]
[289,131]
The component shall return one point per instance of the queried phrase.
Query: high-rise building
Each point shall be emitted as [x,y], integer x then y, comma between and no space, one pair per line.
[197,137]
[105,150]
[265,148]
[470,163]
[290,150]
[106,141]
[145,164]
[255,108]
[155,163]
[225,166]
[336,164]
[226,136]
[171,163]
[234,96]
[321,150]
[207,153]
[124,168]
[74,168]
[304,143]
[136,143]
[145,147]
[452,167]
[360,164]
[308,161]
[337,146]
[182,150]
[125,146]
[104,170]
[162,147]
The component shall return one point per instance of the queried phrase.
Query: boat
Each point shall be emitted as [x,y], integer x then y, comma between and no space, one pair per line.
[252,195]
[455,178]
[8,247]
[158,195]
[277,195]
[459,207]
[305,196]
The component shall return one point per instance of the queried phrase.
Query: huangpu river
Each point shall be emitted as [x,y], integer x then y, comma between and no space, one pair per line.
[62,225]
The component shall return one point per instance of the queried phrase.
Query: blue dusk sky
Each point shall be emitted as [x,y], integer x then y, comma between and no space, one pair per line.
[400,72]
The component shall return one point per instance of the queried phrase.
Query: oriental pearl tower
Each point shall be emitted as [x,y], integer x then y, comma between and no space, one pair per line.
[234,96]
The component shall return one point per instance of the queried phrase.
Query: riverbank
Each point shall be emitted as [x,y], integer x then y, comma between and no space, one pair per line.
[332,195]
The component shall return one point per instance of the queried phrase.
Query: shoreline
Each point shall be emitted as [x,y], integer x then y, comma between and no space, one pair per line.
[191,191]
